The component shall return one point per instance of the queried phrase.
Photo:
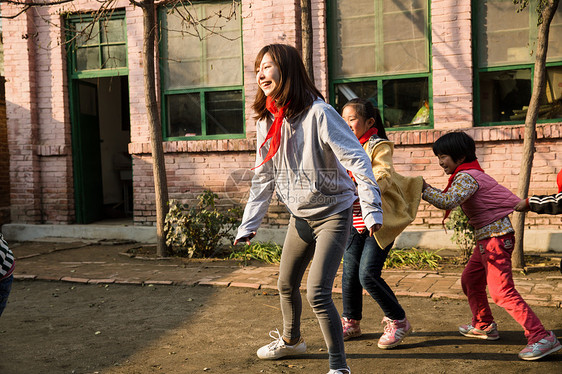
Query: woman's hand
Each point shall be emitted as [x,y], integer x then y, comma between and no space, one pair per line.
[376,227]
[245,239]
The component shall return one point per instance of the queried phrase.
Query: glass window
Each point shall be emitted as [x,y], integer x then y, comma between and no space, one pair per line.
[98,43]
[506,41]
[504,94]
[201,70]
[405,102]
[551,98]
[380,51]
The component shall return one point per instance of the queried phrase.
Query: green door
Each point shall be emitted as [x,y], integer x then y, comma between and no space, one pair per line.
[87,154]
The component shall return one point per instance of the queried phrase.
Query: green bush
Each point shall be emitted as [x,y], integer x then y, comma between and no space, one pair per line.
[267,252]
[198,231]
[412,258]
[463,233]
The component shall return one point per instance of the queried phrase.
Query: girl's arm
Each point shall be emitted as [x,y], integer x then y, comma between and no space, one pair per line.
[546,204]
[381,162]
[463,187]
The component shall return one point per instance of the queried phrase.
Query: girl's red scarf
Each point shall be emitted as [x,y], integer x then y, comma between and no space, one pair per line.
[367,135]
[474,165]
[274,132]
[559,181]
[363,139]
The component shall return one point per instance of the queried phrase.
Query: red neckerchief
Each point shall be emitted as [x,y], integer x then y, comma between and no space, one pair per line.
[367,135]
[559,181]
[274,132]
[363,139]
[474,165]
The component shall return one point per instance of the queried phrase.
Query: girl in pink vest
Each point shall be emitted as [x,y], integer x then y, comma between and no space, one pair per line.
[487,205]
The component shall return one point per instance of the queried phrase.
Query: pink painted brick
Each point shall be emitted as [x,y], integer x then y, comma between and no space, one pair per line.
[413,294]
[129,281]
[101,281]
[159,282]
[24,276]
[245,285]
[75,280]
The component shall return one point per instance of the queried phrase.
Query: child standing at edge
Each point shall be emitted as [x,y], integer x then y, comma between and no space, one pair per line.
[7,265]
[487,204]
[364,256]
[310,149]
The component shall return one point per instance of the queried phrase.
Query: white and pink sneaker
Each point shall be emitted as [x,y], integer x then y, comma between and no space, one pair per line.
[394,332]
[351,328]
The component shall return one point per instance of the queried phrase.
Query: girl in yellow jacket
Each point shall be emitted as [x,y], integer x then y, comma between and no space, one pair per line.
[364,256]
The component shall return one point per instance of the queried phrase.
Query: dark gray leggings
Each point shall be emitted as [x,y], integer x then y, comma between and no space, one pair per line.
[322,241]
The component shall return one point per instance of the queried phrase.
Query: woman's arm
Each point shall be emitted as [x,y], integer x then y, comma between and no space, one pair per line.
[349,152]
[261,192]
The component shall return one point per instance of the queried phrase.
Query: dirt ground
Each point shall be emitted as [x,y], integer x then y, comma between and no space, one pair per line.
[59,327]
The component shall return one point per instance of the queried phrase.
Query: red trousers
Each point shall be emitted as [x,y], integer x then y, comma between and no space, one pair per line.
[490,264]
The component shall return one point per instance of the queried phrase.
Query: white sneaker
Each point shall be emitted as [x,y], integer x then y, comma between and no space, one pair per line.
[340,371]
[278,348]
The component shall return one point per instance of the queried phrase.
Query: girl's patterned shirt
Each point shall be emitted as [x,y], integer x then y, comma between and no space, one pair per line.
[462,188]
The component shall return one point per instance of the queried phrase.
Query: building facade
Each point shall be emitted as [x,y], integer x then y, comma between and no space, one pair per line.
[78,133]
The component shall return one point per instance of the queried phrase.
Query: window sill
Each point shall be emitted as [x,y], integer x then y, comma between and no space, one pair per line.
[189,146]
[480,134]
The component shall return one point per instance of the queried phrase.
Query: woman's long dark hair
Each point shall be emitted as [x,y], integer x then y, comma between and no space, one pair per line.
[295,86]
[366,110]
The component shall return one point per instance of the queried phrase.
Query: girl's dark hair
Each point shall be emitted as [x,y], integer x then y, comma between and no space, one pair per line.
[295,86]
[456,144]
[366,110]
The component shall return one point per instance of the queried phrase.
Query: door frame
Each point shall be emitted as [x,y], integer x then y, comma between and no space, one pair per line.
[74,76]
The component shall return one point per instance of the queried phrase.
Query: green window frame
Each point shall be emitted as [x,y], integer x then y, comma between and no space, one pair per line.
[98,45]
[504,61]
[380,50]
[202,88]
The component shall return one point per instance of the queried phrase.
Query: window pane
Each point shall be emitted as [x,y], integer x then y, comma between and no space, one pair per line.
[405,102]
[375,37]
[206,55]
[404,57]
[223,72]
[551,98]
[184,115]
[405,35]
[87,58]
[184,74]
[113,31]
[87,33]
[503,34]
[347,91]
[555,37]
[354,31]
[114,56]
[504,94]
[224,112]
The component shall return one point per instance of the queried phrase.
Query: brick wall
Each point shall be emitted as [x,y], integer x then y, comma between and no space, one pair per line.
[21,112]
[39,124]
[451,63]
[4,160]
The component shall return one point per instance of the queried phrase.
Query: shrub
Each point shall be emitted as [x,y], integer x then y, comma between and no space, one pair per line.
[267,252]
[413,258]
[198,231]
[463,233]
